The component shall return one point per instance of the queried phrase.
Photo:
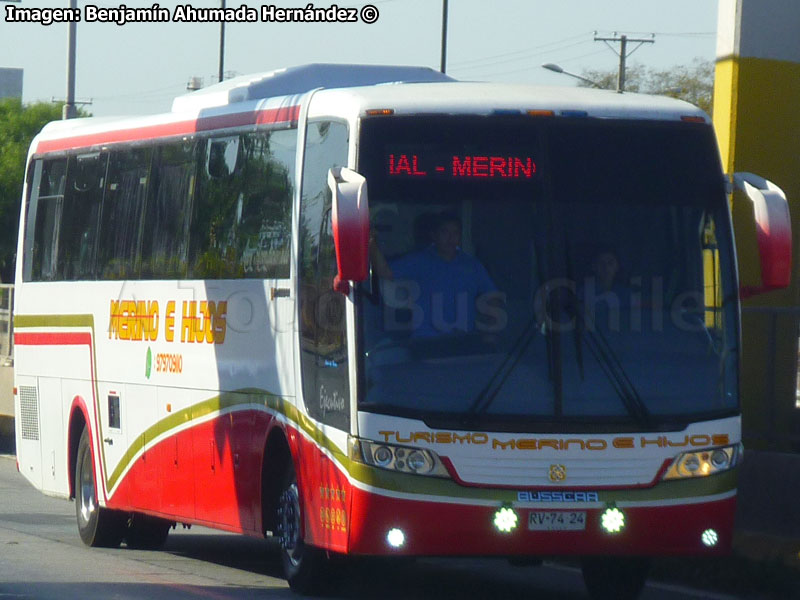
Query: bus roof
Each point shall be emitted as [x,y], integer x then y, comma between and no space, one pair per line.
[298,80]
[491,98]
[349,91]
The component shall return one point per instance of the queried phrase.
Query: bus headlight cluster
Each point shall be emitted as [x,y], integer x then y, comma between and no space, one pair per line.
[418,461]
[704,462]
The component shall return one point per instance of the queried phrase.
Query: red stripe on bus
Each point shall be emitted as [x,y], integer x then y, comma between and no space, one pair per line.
[286,114]
[52,339]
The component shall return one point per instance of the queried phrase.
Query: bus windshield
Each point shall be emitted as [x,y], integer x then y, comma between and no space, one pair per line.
[546,273]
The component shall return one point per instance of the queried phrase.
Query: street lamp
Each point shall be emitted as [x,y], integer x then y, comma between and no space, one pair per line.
[556,69]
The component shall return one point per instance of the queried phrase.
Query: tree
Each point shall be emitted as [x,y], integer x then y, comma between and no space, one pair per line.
[18,125]
[693,83]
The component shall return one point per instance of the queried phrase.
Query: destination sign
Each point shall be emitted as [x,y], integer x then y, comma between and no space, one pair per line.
[410,164]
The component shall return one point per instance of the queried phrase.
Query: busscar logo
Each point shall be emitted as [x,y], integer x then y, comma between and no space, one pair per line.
[558,496]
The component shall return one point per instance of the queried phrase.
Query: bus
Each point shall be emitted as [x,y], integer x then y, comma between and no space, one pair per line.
[374,311]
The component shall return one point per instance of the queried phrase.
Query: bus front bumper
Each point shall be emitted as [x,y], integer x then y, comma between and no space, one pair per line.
[385,525]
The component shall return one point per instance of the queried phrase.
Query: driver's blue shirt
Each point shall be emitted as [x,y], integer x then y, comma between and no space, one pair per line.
[446,292]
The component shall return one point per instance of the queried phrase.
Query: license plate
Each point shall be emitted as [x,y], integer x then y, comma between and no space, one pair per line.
[557,520]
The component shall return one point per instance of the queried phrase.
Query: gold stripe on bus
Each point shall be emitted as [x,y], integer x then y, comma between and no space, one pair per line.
[25,321]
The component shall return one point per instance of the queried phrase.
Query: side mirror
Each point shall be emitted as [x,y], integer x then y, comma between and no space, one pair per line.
[773,232]
[350,224]
[221,157]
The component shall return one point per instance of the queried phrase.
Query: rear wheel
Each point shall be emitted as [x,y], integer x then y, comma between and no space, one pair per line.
[146,533]
[97,526]
[615,577]
[305,567]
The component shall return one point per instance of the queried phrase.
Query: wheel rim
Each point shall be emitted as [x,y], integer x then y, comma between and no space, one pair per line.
[86,496]
[289,524]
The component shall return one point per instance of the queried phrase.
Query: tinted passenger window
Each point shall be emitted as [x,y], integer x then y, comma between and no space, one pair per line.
[242,221]
[43,214]
[165,240]
[77,231]
[123,210]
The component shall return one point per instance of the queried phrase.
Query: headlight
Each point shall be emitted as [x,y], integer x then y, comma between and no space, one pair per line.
[704,462]
[397,458]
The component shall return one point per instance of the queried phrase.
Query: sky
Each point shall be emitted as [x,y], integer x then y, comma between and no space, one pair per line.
[138,68]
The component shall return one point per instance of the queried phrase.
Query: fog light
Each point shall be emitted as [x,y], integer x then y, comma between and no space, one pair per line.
[396,538]
[612,520]
[710,538]
[506,519]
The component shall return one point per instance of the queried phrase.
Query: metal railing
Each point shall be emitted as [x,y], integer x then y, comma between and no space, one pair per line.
[6,324]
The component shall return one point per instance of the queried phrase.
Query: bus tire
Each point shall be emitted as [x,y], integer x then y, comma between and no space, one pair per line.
[615,577]
[304,566]
[98,527]
[146,533]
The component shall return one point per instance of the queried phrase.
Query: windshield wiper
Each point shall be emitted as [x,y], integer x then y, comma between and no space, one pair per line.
[613,370]
[487,395]
[602,352]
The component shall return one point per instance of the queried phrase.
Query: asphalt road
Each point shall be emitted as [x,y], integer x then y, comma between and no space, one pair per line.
[42,557]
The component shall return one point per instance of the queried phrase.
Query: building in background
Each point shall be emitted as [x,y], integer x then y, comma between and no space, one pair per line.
[10,83]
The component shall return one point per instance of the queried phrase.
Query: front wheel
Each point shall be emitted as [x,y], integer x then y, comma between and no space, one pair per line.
[615,577]
[98,527]
[303,565]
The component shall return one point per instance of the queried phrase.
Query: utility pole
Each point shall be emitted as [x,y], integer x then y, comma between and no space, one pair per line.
[222,46]
[623,52]
[70,111]
[444,36]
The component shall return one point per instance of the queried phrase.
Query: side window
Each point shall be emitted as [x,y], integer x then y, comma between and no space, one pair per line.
[165,240]
[242,220]
[43,215]
[77,229]
[121,216]
[323,329]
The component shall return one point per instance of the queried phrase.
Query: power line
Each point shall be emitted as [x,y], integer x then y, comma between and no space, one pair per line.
[526,51]
[676,33]
[528,68]
[528,57]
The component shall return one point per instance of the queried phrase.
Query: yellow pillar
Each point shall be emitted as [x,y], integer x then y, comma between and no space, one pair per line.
[757,120]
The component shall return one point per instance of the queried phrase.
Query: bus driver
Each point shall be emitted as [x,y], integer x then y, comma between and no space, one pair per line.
[441,285]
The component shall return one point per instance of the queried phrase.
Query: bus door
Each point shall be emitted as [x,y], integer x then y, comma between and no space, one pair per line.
[323,336]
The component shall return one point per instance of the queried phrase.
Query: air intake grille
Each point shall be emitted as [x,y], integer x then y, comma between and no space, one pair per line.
[29,412]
